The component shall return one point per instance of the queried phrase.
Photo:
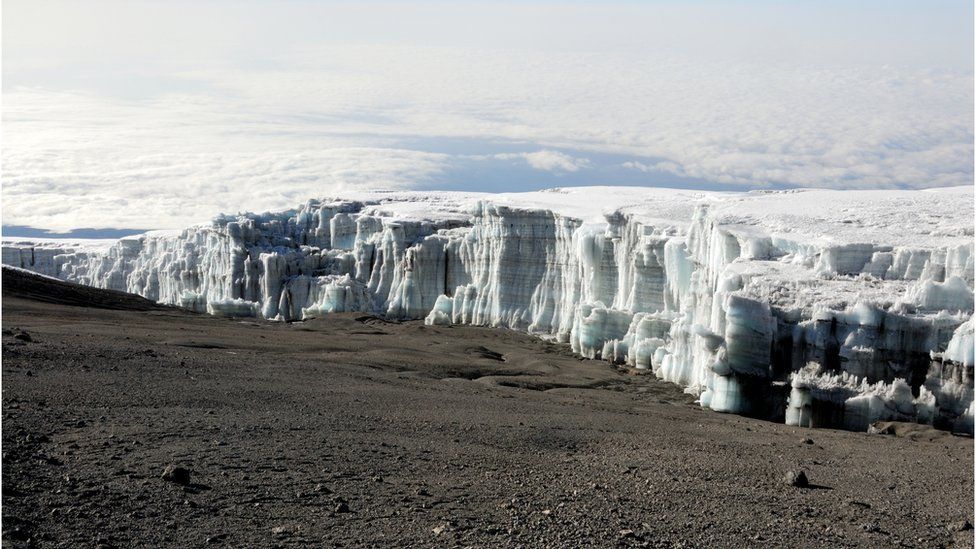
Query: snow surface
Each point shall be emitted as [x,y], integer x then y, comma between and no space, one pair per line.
[833,308]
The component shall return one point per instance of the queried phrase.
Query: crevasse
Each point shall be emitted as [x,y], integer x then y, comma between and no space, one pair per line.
[753,320]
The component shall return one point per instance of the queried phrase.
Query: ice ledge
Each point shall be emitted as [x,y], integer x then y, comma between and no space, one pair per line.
[730,295]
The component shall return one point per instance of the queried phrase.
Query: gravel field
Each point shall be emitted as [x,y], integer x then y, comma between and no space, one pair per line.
[354,431]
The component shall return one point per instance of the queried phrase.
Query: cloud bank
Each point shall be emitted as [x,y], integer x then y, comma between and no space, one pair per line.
[546,160]
[179,139]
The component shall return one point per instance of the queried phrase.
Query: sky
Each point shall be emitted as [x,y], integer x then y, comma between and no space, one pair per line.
[153,115]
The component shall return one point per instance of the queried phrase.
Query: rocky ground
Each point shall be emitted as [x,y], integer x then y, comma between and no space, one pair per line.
[353,431]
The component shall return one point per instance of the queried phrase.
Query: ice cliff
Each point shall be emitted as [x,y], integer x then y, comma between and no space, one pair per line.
[820,308]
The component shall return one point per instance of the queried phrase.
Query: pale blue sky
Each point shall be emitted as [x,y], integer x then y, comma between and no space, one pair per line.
[159,114]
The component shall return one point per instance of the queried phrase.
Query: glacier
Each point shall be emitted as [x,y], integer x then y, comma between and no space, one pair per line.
[818,308]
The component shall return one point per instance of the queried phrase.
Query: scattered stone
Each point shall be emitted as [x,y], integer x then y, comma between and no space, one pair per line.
[797,478]
[881,428]
[283,530]
[856,503]
[960,526]
[19,533]
[178,475]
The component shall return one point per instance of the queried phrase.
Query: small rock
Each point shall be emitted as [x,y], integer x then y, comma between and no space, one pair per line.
[322,489]
[797,478]
[881,428]
[341,507]
[626,533]
[440,529]
[283,531]
[960,526]
[806,441]
[178,475]
[24,336]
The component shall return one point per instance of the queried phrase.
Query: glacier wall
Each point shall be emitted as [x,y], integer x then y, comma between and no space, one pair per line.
[754,321]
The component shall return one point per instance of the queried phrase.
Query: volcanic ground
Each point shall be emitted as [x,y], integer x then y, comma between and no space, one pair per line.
[356,431]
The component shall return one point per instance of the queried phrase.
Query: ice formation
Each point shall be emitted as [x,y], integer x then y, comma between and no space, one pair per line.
[823,308]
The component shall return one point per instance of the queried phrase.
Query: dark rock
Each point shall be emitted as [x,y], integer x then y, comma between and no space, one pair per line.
[24,336]
[178,475]
[19,533]
[284,530]
[960,526]
[342,507]
[882,428]
[806,441]
[322,489]
[797,478]
[855,503]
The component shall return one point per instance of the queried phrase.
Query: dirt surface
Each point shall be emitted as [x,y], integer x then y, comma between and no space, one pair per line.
[353,431]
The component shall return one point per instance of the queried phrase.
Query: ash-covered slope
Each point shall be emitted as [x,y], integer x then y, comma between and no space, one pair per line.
[826,308]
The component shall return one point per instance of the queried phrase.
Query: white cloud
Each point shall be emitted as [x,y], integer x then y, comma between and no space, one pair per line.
[76,161]
[296,117]
[547,160]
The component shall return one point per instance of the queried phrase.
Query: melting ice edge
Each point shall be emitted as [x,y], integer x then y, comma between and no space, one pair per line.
[820,308]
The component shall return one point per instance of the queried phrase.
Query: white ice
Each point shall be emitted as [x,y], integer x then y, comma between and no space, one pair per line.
[731,295]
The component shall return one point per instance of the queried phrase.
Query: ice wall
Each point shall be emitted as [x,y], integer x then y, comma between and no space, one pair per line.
[752,316]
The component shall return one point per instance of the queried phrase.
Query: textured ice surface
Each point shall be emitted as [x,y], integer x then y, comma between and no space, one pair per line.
[828,308]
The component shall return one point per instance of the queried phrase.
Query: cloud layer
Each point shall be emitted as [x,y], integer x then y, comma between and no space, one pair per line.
[182,140]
